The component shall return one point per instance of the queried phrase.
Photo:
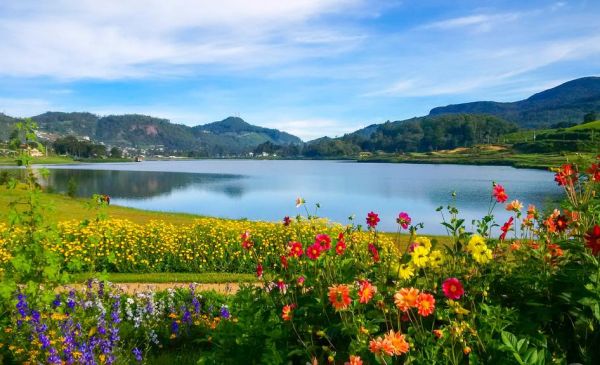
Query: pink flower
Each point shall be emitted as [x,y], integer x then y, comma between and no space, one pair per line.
[374,252]
[259,271]
[300,280]
[372,219]
[505,228]
[404,220]
[453,288]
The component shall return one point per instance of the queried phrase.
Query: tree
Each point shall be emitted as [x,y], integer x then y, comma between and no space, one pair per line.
[115,152]
[590,117]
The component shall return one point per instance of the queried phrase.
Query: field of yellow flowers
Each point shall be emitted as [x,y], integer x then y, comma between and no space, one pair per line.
[206,245]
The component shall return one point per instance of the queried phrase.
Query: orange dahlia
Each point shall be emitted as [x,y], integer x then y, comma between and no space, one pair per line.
[286,312]
[398,342]
[354,360]
[366,291]
[339,296]
[406,298]
[425,304]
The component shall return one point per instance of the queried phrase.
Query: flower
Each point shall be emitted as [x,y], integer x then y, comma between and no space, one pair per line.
[324,241]
[259,271]
[425,304]
[284,261]
[531,212]
[339,296]
[398,342]
[314,251]
[366,291]
[354,360]
[592,240]
[372,219]
[453,288]
[499,193]
[287,311]
[419,256]
[561,223]
[505,228]
[404,220]
[340,247]
[286,221]
[436,259]
[374,252]
[137,353]
[514,206]
[224,312]
[594,171]
[406,298]
[566,175]
[295,249]
[406,271]
[299,202]
[393,343]
[245,236]
[300,280]
[423,241]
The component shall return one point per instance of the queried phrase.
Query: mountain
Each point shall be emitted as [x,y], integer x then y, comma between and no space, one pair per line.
[568,102]
[230,136]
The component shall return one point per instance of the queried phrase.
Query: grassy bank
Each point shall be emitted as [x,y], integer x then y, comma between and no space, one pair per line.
[481,157]
[7,161]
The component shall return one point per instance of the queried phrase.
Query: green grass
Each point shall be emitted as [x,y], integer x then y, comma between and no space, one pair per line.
[62,208]
[201,278]
[39,160]
[591,125]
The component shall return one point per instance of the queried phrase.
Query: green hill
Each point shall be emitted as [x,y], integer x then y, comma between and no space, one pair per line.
[565,103]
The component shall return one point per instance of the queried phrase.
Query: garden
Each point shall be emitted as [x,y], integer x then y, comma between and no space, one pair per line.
[523,291]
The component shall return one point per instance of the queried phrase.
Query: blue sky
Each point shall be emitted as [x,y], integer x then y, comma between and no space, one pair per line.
[308,67]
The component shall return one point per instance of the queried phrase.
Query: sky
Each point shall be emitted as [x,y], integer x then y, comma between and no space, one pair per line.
[307,67]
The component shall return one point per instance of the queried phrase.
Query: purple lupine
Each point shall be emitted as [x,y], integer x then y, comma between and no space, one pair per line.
[71,300]
[137,353]
[174,327]
[22,305]
[101,289]
[187,317]
[196,304]
[225,312]
[56,302]
[115,315]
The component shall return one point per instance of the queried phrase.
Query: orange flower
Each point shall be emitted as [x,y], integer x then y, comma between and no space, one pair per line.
[555,250]
[425,304]
[339,296]
[354,360]
[286,312]
[406,298]
[398,342]
[392,344]
[366,291]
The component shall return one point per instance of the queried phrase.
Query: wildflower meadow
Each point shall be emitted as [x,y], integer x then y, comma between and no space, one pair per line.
[523,291]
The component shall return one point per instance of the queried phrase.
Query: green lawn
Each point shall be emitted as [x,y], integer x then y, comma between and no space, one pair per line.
[39,160]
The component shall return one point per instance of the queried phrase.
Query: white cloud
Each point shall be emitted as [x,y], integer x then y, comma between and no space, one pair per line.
[24,107]
[116,39]
[480,22]
[309,129]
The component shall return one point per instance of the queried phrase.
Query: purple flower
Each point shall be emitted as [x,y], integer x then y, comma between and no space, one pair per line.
[174,327]
[196,304]
[225,312]
[56,302]
[138,354]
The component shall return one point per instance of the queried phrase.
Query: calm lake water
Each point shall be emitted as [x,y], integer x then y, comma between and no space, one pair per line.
[266,190]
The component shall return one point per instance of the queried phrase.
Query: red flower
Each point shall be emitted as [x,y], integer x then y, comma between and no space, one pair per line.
[372,219]
[300,280]
[499,193]
[284,262]
[295,249]
[286,221]
[592,239]
[505,228]
[340,247]
[245,236]
[566,175]
[561,223]
[313,252]
[594,171]
[324,241]
[453,288]
[247,245]
[259,271]
[374,252]
[404,220]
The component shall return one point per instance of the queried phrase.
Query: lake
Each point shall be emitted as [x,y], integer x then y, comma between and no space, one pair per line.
[266,190]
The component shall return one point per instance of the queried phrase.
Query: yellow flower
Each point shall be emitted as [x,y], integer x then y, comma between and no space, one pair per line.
[419,256]
[436,259]
[482,254]
[423,241]
[406,272]
[475,242]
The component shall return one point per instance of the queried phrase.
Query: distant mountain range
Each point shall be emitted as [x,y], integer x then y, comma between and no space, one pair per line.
[229,136]
[568,102]
[445,126]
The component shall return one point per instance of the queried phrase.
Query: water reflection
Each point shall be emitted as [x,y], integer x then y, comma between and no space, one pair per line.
[142,184]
